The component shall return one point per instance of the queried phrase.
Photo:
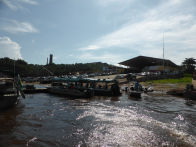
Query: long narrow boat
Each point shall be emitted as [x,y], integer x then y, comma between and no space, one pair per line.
[99,87]
[62,89]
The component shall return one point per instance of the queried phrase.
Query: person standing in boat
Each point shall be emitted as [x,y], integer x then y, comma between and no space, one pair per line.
[137,86]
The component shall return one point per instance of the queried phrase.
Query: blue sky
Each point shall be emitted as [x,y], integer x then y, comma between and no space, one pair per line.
[81,31]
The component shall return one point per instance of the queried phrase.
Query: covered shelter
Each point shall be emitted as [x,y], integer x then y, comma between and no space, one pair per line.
[142,62]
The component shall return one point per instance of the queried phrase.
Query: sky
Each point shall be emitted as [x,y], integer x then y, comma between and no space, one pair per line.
[83,31]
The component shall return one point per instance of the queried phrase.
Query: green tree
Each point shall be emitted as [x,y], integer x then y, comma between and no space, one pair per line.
[189,65]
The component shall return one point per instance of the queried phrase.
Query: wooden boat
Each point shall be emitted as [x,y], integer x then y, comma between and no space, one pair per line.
[135,94]
[100,87]
[105,87]
[8,95]
[69,91]
[10,89]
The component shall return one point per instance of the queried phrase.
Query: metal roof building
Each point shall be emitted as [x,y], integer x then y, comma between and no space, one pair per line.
[140,62]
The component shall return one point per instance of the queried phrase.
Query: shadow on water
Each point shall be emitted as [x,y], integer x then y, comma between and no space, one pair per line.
[9,123]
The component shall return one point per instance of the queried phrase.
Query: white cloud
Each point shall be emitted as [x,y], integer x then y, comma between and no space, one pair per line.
[13,26]
[31,2]
[145,36]
[105,3]
[90,47]
[9,48]
[9,4]
[17,4]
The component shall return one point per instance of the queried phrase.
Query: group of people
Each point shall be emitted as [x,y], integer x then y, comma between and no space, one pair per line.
[137,87]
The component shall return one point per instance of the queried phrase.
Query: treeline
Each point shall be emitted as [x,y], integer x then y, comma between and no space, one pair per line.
[9,67]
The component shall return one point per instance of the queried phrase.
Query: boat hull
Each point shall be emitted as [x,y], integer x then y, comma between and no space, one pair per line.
[74,93]
[135,94]
[8,101]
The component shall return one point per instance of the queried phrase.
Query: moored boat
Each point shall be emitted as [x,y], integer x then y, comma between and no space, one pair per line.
[8,94]
[99,87]
[69,90]
[106,87]
[135,94]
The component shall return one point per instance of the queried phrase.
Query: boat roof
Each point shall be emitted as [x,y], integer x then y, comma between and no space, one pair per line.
[75,79]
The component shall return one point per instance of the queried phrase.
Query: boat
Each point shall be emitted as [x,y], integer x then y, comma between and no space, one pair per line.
[8,94]
[69,90]
[135,94]
[136,90]
[105,87]
[10,90]
[92,87]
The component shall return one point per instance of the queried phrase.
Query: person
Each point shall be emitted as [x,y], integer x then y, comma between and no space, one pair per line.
[136,86]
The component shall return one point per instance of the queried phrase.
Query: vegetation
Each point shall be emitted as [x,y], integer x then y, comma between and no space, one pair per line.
[25,69]
[189,65]
[187,79]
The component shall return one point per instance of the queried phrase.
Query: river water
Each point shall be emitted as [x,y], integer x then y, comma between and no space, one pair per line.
[47,120]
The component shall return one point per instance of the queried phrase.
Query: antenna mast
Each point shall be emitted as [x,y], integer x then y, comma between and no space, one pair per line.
[163,54]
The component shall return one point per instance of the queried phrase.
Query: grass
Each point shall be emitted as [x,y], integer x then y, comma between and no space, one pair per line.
[187,79]
[166,84]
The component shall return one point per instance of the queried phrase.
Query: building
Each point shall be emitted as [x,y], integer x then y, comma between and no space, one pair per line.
[51,59]
[47,61]
[143,63]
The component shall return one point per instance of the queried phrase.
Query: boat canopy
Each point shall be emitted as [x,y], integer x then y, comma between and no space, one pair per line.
[83,80]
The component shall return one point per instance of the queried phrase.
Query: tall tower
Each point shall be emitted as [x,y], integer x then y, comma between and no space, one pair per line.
[51,59]
[47,61]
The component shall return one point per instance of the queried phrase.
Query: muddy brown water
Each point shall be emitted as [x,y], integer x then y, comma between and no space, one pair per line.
[47,120]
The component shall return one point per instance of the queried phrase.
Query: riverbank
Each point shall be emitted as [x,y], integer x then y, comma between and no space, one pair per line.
[163,85]
[158,85]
